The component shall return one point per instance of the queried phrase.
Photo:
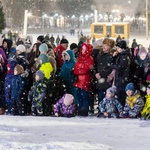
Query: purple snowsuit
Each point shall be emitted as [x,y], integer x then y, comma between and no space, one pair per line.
[65,110]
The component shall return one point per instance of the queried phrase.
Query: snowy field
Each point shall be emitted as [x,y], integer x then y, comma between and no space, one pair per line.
[89,133]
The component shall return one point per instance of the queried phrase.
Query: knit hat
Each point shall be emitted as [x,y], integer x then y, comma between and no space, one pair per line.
[97,43]
[11,65]
[44,58]
[112,90]
[130,86]
[43,48]
[68,99]
[19,69]
[142,51]
[40,74]
[13,50]
[122,44]
[109,42]
[64,41]
[40,38]
[21,48]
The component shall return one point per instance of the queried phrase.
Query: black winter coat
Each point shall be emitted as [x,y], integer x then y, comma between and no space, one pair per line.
[104,67]
[122,68]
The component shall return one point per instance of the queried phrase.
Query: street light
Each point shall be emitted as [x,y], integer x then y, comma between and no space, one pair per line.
[43,18]
[26,15]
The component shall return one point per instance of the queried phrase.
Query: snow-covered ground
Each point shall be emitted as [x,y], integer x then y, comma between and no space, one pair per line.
[89,133]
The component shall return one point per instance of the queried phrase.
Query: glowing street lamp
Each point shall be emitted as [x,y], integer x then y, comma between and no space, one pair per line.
[26,15]
[43,18]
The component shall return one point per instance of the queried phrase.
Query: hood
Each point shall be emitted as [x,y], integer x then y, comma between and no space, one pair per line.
[88,51]
[9,43]
[68,99]
[70,54]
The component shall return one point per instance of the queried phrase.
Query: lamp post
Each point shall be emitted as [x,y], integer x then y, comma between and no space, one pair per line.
[25,22]
[43,17]
[95,16]
[26,14]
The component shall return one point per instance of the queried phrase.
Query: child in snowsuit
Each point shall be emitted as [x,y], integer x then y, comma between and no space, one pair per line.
[65,106]
[37,94]
[17,91]
[134,102]
[47,68]
[9,76]
[146,110]
[45,65]
[66,72]
[110,107]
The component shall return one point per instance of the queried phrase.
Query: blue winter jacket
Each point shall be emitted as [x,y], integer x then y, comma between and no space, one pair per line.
[17,86]
[66,73]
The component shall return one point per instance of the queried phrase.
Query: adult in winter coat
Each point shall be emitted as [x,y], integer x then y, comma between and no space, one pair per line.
[66,72]
[58,53]
[40,39]
[52,39]
[3,71]
[6,46]
[17,91]
[134,102]
[118,39]
[37,94]
[134,44]
[104,67]
[57,40]
[33,55]
[121,59]
[9,76]
[140,70]
[82,69]
[65,106]
[143,60]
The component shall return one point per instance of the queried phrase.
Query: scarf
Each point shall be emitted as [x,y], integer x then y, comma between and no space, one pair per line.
[132,100]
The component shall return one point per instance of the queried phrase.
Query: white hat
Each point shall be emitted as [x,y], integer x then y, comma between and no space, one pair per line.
[21,48]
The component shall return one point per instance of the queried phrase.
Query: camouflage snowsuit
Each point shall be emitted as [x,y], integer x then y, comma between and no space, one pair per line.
[36,96]
[112,107]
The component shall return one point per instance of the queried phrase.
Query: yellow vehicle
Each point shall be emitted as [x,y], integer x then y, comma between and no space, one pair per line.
[112,29]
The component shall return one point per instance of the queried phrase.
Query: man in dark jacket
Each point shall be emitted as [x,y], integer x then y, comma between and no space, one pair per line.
[121,60]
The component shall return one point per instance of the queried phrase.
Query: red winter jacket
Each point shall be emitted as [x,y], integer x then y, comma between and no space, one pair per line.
[58,53]
[83,68]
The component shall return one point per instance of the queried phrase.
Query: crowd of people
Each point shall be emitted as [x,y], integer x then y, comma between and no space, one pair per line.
[53,79]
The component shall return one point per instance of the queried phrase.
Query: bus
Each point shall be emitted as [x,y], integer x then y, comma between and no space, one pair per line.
[111,29]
